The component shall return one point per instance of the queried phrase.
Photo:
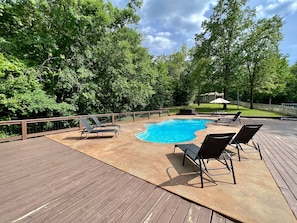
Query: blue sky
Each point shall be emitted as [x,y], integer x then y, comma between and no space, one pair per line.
[167,24]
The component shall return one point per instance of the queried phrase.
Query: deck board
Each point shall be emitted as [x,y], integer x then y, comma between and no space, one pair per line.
[44,181]
[278,141]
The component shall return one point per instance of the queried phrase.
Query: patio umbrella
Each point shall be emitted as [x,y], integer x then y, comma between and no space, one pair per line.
[219,101]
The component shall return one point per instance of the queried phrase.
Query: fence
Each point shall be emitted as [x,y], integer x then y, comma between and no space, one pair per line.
[29,128]
[282,109]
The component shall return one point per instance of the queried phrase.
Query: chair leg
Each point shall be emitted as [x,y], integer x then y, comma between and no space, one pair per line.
[201,177]
[260,153]
[174,148]
[184,159]
[257,146]
[238,153]
[232,170]
[238,146]
[82,135]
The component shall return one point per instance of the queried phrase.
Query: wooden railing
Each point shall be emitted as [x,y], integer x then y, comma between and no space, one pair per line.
[29,128]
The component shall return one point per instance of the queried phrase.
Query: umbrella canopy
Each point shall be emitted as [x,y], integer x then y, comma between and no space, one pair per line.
[219,101]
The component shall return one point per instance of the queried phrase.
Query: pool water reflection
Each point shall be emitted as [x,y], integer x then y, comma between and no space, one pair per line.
[172,131]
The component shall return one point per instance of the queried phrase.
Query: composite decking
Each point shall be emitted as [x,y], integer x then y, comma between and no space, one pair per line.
[44,181]
[278,141]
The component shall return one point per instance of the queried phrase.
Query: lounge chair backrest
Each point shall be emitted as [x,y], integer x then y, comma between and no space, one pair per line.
[86,124]
[96,120]
[214,144]
[236,116]
[246,133]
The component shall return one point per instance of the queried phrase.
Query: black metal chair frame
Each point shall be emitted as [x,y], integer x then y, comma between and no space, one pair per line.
[88,129]
[102,125]
[213,147]
[244,136]
[229,120]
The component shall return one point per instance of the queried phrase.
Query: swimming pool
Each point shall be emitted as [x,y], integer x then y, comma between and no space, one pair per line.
[172,131]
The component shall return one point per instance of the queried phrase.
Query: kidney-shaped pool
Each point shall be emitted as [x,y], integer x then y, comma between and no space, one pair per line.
[172,131]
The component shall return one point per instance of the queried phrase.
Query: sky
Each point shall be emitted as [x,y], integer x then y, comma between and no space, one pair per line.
[168,24]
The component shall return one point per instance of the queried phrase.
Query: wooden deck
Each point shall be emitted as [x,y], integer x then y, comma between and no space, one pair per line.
[44,181]
[278,141]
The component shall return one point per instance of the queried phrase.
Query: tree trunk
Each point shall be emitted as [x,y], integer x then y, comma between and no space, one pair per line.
[251,97]
[225,105]
[227,72]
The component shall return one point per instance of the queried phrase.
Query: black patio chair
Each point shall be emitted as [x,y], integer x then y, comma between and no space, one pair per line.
[103,125]
[89,129]
[228,121]
[244,136]
[213,147]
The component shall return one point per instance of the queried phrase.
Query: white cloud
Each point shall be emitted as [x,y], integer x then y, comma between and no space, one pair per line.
[185,16]
[180,19]
[164,34]
[159,42]
[279,7]
[167,24]
[148,29]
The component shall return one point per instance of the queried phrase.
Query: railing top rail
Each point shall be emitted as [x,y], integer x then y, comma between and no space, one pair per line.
[75,117]
[145,112]
[38,120]
[14,122]
[24,123]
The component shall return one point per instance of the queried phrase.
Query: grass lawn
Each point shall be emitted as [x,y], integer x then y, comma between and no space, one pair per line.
[231,109]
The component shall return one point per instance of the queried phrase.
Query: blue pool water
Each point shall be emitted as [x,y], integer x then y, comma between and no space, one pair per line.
[172,131]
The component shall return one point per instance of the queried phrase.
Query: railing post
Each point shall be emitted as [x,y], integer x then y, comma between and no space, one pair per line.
[133,116]
[80,126]
[24,129]
[148,115]
[112,118]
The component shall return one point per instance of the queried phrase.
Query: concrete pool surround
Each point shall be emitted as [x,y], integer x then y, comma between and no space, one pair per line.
[255,198]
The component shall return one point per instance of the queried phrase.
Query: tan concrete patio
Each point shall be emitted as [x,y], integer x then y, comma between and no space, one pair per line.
[255,197]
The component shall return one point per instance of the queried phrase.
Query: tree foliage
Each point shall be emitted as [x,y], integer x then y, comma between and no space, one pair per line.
[178,68]
[261,42]
[21,95]
[81,57]
[275,70]
[220,40]
[237,47]
[290,91]
[84,54]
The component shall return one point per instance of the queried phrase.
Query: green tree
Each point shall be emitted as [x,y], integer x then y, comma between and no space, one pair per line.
[221,41]
[85,53]
[21,95]
[202,76]
[162,85]
[177,66]
[276,72]
[291,92]
[261,41]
